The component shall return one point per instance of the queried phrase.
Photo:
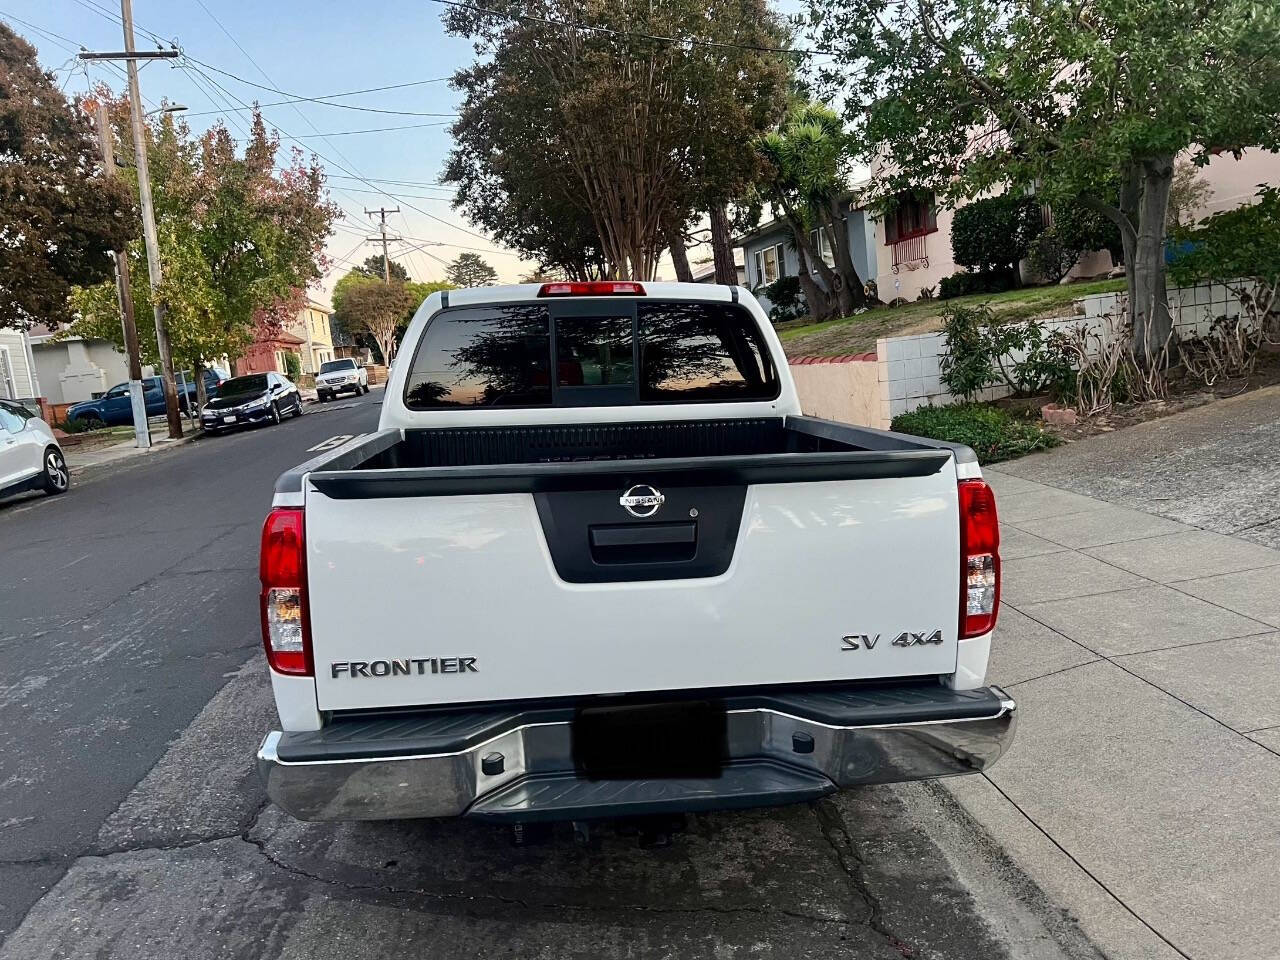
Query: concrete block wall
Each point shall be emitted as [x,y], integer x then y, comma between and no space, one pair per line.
[907,370]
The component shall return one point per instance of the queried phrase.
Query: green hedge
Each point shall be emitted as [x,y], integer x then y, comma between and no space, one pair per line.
[994,234]
[993,434]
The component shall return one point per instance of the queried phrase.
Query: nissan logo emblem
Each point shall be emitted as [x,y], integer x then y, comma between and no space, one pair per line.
[642,500]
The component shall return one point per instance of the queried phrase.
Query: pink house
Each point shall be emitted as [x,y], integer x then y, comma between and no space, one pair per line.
[913,245]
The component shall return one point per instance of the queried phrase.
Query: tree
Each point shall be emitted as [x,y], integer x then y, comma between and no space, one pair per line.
[372,267]
[1088,102]
[612,120]
[376,308]
[239,239]
[61,213]
[470,270]
[808,162]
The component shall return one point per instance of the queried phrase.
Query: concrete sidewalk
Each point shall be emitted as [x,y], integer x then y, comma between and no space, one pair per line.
[1143,788]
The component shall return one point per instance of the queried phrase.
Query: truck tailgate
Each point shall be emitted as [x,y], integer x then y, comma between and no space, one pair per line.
[420,600]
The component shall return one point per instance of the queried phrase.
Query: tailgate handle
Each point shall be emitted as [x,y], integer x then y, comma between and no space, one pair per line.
[643,543]
[644,534]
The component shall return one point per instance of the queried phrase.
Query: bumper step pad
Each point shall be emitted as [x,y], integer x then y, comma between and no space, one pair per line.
[754,783]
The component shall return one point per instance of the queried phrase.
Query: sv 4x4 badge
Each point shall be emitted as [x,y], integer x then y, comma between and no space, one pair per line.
[862,641]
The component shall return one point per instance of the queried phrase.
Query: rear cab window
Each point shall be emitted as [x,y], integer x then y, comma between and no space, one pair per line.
[607,353]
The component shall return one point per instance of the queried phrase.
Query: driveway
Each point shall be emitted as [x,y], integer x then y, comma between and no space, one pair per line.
[1143,789]
[1216,467]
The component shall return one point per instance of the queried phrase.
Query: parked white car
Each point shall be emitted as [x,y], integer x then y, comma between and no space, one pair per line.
[339,376]
[30,458]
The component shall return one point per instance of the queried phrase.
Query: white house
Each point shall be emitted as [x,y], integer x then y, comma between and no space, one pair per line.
[18,378]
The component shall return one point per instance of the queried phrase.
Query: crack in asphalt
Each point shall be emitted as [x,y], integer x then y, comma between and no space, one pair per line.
[836,833]
[245,835]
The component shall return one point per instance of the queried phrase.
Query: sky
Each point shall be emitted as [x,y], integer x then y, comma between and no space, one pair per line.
[312,49]
[309,49]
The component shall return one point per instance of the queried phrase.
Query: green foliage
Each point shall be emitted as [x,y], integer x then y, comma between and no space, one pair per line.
[808,164]
[991,433]
[470,270]
[982,351]
[376,309]
[292,366]
[240,239]
[964,284]
[787,299]
[994,234]
[1090,102]
[585,148]
[61,213]
[1238,244]
[968,365]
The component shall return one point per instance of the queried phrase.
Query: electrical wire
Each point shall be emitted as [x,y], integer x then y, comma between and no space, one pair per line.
[354,174]
[298,98]
[321,100]
[349,133]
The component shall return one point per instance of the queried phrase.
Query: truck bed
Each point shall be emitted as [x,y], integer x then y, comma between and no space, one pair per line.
[526,459]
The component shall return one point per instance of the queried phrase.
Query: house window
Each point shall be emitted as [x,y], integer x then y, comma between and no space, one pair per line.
[771,264]
[821,241]
[8,388]
[912,215]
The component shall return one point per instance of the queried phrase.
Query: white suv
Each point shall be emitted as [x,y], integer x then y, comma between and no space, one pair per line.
[30,458]
[337,376]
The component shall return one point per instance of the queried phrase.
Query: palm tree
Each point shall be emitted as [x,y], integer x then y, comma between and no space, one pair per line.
[807,156]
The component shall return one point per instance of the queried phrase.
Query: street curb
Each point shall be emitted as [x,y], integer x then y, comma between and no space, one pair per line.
[157,448]
[1110,925]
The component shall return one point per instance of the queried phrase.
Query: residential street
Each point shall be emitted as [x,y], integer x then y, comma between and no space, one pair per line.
[135,824]
[127,603]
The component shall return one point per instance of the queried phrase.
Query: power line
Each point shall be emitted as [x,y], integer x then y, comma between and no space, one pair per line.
[298,98]
[434,184]
[414,196]
[390,196]
[634,34]
[349,133]
[257,66]
[321,100]
[65,42]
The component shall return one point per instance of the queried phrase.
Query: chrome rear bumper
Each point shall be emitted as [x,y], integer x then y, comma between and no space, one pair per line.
[518,764]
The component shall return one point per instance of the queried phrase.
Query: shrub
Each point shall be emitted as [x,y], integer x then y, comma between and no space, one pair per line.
[993,434]
[1050,258]
[787,299]
[968,365]
[1081,229]
[963,284]
[1025,356]
[292,365]
[995,233]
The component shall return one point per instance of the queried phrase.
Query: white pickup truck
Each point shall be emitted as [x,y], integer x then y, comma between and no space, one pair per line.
[595,562]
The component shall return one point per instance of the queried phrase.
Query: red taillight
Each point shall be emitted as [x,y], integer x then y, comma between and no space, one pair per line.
[286,627]
[593,288]
[979,559]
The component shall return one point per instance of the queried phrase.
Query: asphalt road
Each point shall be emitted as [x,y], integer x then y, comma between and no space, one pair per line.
[132,825]
[124,606]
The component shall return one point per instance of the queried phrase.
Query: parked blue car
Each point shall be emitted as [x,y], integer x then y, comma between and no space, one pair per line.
[114,408]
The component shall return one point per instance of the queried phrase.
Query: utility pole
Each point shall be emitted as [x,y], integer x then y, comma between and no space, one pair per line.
[141,427]
[131,57]
[383,238]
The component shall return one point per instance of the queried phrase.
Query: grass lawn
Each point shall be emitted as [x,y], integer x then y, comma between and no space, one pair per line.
[859,334]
